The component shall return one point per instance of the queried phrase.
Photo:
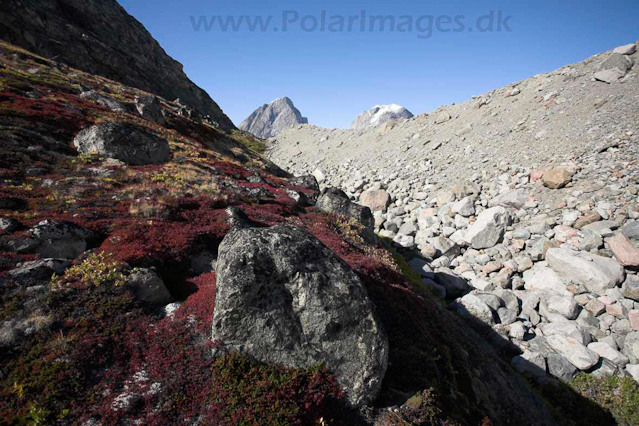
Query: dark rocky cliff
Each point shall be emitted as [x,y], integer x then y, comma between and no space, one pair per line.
[100,37]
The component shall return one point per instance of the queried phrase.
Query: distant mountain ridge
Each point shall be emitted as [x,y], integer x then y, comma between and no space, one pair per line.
[271,119]
[100,37]
[379,115]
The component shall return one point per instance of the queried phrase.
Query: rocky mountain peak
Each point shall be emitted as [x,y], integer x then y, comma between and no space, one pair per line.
[101,38]
[271,119]
[379,115]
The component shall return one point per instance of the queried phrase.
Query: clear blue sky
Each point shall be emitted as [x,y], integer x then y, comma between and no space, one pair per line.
[333,76]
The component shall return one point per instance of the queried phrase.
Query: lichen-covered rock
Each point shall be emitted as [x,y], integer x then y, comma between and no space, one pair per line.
[124,142]
[284,298]
[60,239]
[36,272]
[150,109]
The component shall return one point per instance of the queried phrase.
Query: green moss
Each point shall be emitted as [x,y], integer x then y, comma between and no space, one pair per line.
[256,145]
[618,395]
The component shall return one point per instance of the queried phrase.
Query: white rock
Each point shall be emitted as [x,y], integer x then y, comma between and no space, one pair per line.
[578,355]
[489,228]
[606,351]
[596,273]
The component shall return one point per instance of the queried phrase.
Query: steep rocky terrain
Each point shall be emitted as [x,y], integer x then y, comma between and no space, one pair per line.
[101,38]
[112,262]
[548,118]
[379,115]
[520,207]
[272,119]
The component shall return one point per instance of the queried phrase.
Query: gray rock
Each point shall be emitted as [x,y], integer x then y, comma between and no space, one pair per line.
[489,228]
[37,272]
[609,76]
[631,230]
[543,278]
[560,367]
[568,329]
[125,142]
[515,199]
[506,316]
[472,306]
[532,363]
[60,239]
[285,298]
[150,109]
[270,120]
[606,351]
[108,103]
[147,286]
[455,285]
[375,200]
[574,351]
[445,247]
[596,273]
[335,201]
[616,61]
[464,207]
[631,290]
[631,347]
[379,115]
[564,306]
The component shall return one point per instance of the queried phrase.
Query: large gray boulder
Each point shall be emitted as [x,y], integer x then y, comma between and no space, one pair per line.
[596,273]
[284,298]
[125,142]
[272,119]
[489,228]
[379,115]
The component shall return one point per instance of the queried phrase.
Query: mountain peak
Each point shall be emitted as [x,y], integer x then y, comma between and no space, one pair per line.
[271,119]
[380,114]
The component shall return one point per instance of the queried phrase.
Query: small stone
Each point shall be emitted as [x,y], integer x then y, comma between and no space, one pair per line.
[557,177]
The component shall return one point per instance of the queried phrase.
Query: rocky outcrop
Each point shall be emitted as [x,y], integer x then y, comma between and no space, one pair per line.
[379,115]
[124,142]
[100,37]
[285,298]
[271,119]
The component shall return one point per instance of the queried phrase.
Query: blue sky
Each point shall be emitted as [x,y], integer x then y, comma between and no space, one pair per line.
[333,76]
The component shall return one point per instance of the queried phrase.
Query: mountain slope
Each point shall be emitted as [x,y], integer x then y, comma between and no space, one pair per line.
[101,38]
[271,119]
[85,345]
[547,118]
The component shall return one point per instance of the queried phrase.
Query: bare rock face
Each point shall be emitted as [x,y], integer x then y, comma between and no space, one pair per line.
[285,298]
[271,119]
[124,142]
[100,37]
[379,115]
